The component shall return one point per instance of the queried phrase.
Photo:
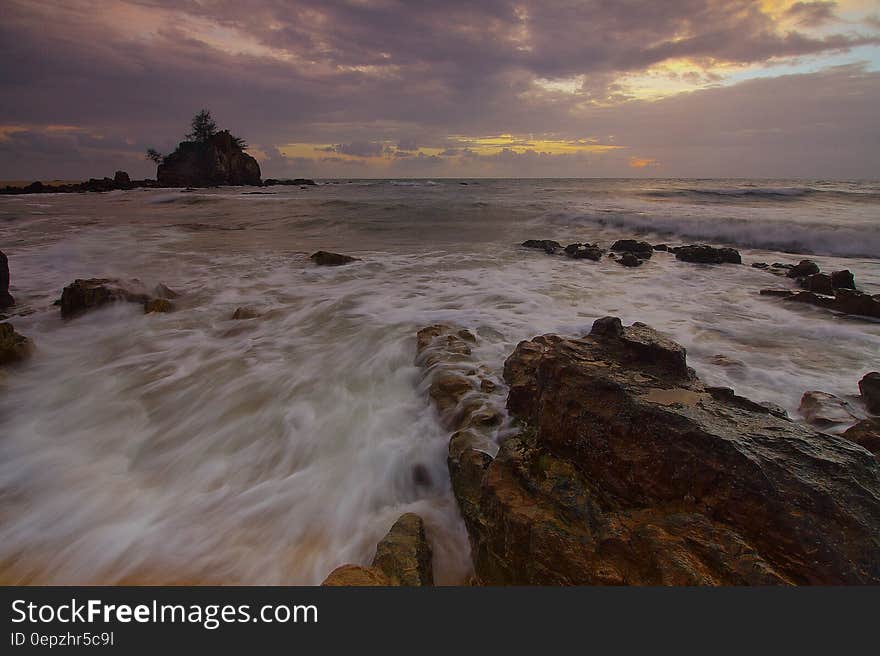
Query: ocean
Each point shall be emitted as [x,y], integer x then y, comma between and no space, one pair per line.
[191,448]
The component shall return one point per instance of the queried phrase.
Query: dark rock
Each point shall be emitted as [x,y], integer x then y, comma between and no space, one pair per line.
[630,260]
[803,268]
[869,387]
[843,279]
[825,410]
[14,347]
[404,554]
[160,305]
[641,249]
[846,301]
[325,258]
[760,265]
[628,470]
[6,299]
[547,245]
[83,295]
[271,182]
[217,161]
[820,283]
[580,251]
[866,434]
[243,313]
[121,179]
[662,247]
[704,254]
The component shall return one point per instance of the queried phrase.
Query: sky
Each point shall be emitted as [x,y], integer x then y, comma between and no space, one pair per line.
[459,88]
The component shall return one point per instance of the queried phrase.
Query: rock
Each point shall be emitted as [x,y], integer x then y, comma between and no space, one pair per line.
[869,387]
[760,265]
[217,161]
[843,279]
[704,254]
[301,182]
[158,305]
[547,245]
[628,470]
[161,291]
[580,251]
[404,554]
[819,283]
[355,575]
[14,347]
[825,410]
[6,299]
[243,313]
[662,247]
[325,258]
[846,301]
[640,249]
[802,269]
[121,179]
[83,295]
[630,260]
[866,434]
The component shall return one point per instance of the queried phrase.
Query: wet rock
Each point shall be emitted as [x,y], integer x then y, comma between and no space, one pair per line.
[301,182]
[161,291]
[547,245]
[6,299]
[355,575]
[802,269]
[641,249]
[628,470]
[404,554]
[244,312]
[218,161]
[662,247]
[704,254]
[121,179]
[825,410]
[579,251]
[325,258]
[83,295]
[160,305]
[869,388]
[846,301]
[819,283]
[760,265]
[866,434]
[629,260]
[14,347]
[843,279]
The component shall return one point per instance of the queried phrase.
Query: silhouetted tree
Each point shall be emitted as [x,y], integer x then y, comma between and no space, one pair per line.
[203,127]
[155,155]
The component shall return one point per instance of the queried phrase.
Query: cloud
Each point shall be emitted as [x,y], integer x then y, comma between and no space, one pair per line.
[812,13]
[357,149]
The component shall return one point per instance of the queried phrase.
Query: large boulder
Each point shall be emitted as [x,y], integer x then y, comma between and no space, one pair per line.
[869,387]
[217,161]
[6,299]
[802,269]
[866,433]
[83,295]
[14,347]
[826,410]
[704,254]
[628,470]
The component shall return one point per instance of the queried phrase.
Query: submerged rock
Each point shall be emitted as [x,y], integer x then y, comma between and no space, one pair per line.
[6,299]
[802,269]
[244,312]
[158,305]
[325,258]
[83,295]
[546,245]
[704,254]
[662,247]
[162,291]
[579,251]
[869,388]
[14,347]
[630,260]
[866,433]
[846,301]
[628,470]
[641,249]
[826,410]
[403,558]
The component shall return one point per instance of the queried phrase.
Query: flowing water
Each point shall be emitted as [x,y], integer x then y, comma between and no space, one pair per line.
[191,448]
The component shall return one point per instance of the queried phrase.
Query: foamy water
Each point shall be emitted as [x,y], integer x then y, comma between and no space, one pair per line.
[189,447]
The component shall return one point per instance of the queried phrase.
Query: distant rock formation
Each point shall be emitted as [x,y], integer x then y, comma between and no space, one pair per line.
[119,181]
[219,160]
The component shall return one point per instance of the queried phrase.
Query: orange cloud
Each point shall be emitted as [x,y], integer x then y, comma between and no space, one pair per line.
[642,162]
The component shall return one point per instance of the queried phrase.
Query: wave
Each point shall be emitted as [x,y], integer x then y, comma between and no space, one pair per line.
[785,236]
[767,193]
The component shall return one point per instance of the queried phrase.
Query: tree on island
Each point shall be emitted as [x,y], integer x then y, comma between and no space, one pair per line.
[202,128]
